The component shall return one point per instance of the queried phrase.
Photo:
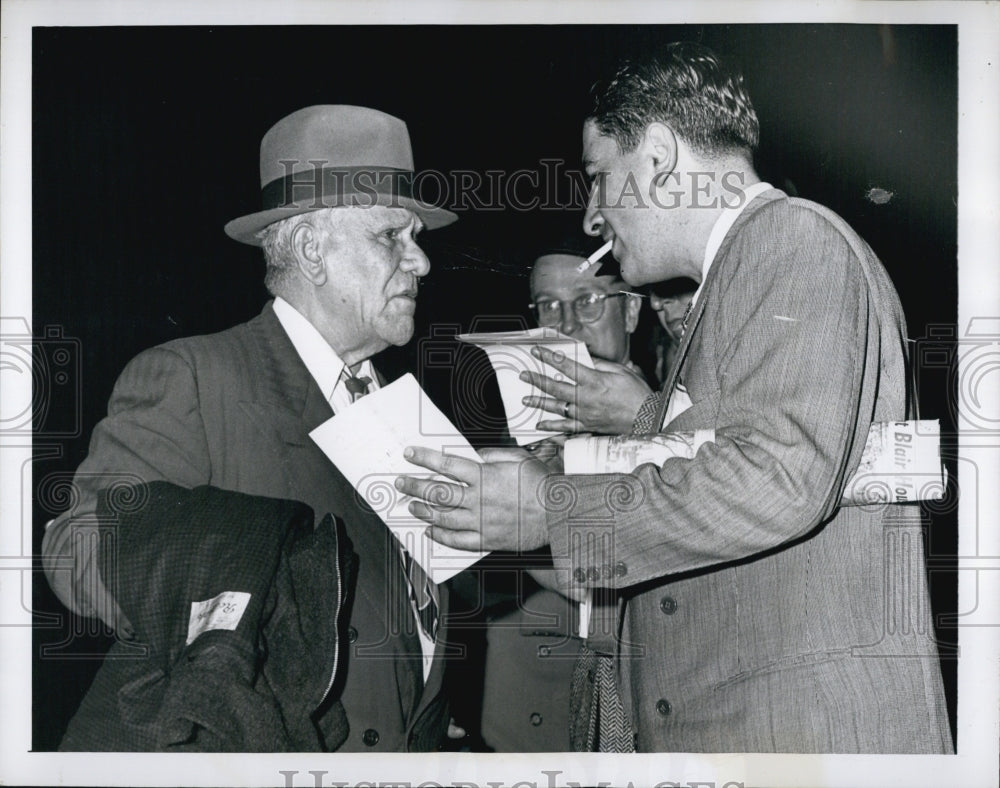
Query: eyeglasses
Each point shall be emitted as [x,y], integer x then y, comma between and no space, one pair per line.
[587,308]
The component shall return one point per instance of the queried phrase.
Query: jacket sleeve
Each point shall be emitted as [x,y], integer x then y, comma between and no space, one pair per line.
[796,365]
[153,431]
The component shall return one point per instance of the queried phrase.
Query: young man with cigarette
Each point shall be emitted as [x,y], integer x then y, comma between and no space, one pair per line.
[760,614]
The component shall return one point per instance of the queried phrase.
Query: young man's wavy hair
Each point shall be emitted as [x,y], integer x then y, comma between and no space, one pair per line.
[686,87]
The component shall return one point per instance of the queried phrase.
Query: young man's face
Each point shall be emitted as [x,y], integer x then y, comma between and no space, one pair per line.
[624,207]
[554,278]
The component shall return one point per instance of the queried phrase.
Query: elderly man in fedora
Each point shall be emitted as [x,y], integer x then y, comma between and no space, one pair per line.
[339,230]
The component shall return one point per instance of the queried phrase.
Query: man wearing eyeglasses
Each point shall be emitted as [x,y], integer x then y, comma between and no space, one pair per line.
[531,634]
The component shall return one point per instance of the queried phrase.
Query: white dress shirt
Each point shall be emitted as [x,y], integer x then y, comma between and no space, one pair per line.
[327,369]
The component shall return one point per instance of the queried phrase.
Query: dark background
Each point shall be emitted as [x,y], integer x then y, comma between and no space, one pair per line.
[145,142]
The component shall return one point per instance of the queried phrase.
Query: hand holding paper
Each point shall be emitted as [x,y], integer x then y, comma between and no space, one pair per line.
[493,505]
[604,399]
[511,355]
[367,442]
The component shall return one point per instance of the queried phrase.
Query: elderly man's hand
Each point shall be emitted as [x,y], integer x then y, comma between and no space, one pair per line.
[493,505]
[605,399]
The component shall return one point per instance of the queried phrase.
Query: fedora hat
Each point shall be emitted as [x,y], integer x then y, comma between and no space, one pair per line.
[331,156]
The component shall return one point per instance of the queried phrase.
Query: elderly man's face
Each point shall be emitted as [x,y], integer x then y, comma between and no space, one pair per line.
[555,278]
[374,265]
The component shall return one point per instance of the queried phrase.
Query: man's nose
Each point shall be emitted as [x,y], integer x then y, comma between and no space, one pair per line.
[656,303]
[592,219]
[415,261]
[568,324]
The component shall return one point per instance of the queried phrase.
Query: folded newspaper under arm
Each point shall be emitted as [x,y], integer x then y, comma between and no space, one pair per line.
[901,461]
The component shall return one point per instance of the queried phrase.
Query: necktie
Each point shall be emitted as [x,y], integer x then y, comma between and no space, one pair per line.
[423,594]
[356,387]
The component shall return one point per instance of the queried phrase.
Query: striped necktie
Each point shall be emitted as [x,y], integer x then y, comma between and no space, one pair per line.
[423,594]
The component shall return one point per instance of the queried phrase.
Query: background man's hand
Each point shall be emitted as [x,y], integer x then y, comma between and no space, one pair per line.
[493,505]
[605,399]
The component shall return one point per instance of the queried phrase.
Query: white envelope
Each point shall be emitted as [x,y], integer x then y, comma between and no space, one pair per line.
[366,442]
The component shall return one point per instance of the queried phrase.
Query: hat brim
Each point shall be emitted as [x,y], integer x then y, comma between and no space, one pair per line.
[247,229]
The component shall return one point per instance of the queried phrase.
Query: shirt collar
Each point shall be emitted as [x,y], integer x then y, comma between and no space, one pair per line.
[320,359]
[723,224]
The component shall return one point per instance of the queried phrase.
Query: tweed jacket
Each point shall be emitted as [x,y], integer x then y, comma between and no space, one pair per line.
[235,647]
[234,410]
[760,615]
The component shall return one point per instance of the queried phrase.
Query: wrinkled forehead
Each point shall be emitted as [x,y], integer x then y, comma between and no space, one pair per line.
[558,272]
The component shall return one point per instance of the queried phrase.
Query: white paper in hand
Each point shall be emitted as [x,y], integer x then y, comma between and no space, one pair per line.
[366,443]
[509,353]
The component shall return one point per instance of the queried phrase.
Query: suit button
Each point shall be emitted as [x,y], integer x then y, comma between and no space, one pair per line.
[668,605]
[579,575]
[620,569]
[663,707]
[536,719]
[544,651]
[606,571]
[352,634]
[593,574]
[370,737]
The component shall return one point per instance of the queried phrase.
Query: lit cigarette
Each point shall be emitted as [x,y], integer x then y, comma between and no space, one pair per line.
[594,257]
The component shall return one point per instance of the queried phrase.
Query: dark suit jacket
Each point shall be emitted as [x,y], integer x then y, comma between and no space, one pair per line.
[235,646]
[762,616]
[234,410]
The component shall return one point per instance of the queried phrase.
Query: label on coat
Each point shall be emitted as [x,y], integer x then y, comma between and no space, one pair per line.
[220,612]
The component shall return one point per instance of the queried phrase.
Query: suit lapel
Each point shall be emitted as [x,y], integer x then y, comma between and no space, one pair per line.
[674,376]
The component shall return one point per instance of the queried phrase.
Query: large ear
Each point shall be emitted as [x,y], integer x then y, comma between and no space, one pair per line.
[659,146]
[306,241]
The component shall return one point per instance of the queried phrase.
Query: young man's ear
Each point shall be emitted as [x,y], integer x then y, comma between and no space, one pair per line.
[659,145]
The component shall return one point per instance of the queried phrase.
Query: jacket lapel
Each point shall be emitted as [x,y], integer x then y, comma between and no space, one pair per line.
[674,376]
[289,402]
